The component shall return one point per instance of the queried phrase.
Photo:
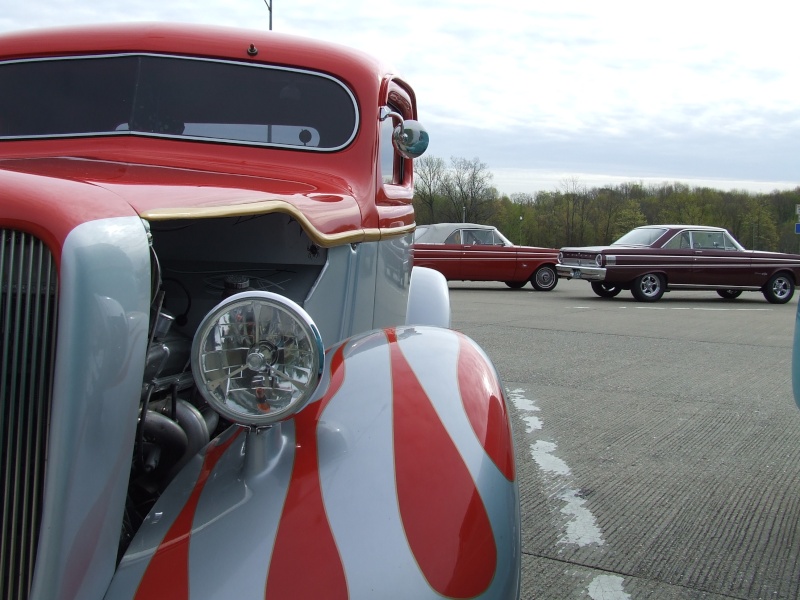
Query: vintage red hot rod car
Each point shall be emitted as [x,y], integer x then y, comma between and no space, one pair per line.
[220,376]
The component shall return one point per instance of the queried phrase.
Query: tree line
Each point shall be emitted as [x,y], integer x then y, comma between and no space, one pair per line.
[577,215]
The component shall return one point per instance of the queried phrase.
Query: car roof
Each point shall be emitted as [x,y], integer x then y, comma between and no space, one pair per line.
[211,41]
[698,227]
[438,232]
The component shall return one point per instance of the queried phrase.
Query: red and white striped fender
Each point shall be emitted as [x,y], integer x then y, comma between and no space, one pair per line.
[397,481]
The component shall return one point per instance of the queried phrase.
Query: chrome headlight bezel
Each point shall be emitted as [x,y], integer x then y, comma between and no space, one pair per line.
[598,260]
[257,358]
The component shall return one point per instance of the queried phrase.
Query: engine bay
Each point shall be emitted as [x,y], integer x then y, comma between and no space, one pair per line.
[195,264]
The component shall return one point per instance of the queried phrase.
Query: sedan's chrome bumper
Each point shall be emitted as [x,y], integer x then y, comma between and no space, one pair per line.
[581,272]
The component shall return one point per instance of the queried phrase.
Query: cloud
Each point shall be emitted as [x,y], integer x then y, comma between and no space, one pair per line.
[683,88]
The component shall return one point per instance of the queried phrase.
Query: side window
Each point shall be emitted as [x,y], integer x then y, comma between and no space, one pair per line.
[480,237]
[391,165]
[454,238]
[717,241]
[679,241]
[699,240]
[708,240]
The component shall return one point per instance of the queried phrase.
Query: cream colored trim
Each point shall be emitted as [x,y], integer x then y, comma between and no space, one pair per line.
[277,206]
[398,231]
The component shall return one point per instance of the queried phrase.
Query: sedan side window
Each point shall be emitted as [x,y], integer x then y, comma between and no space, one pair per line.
[700,240]
[480,237]
[454,238]
[682,240]
[708,240]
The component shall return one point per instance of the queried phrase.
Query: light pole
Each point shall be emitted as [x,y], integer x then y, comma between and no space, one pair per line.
[520,230]
[269,6]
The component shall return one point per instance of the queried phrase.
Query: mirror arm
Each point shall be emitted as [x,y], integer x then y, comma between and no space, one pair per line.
[386,113]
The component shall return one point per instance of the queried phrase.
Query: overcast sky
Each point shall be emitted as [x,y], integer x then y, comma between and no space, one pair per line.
[598,92]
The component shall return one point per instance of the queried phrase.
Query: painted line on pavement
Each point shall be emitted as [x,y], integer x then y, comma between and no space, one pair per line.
[579,525]
[681,308]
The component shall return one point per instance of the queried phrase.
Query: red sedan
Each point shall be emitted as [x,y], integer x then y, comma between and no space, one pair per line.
[469,252]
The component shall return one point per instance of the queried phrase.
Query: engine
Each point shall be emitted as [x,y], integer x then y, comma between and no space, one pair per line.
[174,421]
[190,277]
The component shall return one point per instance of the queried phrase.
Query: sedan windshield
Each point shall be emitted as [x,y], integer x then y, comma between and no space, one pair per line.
[643,236]
[175,97]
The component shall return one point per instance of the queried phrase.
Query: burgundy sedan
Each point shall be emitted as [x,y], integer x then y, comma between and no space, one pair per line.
[469,252]
[655,259]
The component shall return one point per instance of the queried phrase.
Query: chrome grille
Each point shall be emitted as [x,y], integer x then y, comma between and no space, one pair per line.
[27,342]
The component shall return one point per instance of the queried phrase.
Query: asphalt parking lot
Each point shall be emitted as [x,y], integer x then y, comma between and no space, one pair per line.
[658,445]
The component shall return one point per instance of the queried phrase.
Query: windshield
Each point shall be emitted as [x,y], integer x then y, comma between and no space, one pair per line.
[173,96]
[643,236]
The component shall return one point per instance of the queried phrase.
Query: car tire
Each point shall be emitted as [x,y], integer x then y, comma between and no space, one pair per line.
[544,279]
[648,287]
[779,289]
[729,294]
[605,290]
[515,285]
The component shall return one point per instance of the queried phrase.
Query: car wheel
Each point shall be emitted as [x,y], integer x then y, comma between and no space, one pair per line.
[729,294]
[779,289]
[605,290]
[515,285]
[648,287]
[544,278]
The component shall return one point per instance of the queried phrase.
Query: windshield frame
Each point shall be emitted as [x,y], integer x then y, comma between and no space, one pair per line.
[348,101]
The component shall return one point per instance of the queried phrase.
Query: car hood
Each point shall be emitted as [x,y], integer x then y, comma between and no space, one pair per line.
[590,249]
[88,189]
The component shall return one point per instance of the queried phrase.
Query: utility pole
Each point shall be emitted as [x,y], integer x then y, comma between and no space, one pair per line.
[269,6]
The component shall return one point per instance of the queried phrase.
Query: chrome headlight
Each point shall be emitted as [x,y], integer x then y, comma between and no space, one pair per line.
[599,260]
[257,358]
[561,257]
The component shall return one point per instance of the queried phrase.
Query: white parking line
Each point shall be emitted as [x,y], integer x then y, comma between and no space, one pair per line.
[699,308]
[607,587]
[582,527]
[579,525]
[682,308]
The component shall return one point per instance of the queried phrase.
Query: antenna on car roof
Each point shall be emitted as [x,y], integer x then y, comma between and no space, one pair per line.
[269,7]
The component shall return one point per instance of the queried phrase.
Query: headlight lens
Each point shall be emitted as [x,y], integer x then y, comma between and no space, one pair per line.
[599,260]
[257,358]
[561,257]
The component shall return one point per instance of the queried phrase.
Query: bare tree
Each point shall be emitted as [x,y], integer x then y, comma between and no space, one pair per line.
[430,173]
[575,198]
[469,190]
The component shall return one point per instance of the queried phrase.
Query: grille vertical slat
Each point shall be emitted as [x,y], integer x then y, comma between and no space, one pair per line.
[27,331]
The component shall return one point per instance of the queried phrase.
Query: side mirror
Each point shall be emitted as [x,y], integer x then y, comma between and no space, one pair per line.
[409,138]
